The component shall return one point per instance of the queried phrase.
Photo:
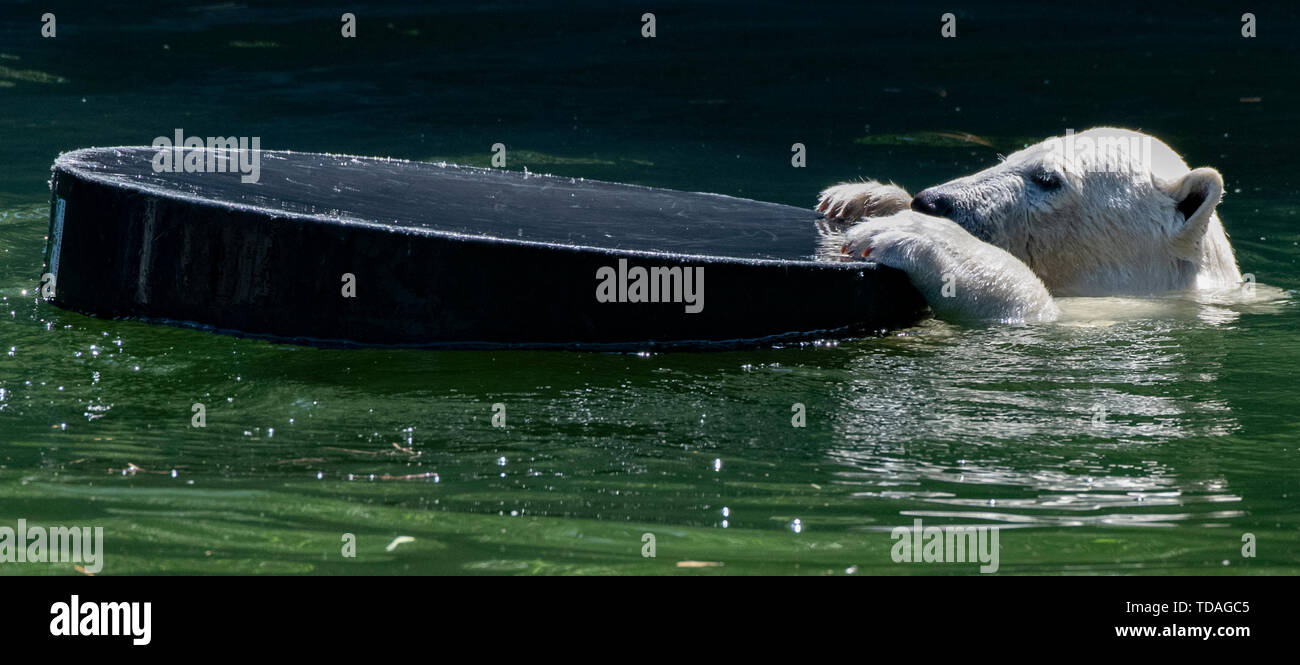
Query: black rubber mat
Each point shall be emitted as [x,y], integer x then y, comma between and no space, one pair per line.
[330,249]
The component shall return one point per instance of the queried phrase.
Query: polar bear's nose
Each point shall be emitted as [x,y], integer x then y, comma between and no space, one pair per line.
[933,203]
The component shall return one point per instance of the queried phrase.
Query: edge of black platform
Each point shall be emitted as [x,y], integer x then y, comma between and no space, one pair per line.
[103,179]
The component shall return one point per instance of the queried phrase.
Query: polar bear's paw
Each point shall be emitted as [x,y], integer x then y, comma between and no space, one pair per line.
[851,201]
[961,277]
[899,241]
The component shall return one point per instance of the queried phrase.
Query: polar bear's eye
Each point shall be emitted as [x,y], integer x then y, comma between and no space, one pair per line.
[1048,180]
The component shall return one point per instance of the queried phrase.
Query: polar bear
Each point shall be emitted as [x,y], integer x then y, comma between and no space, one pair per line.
[1104,212]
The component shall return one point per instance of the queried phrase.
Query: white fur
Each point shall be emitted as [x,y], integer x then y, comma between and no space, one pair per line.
[1107,223]
[960,277]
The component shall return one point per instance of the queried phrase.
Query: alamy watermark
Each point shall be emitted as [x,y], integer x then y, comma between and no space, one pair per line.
[949,544]
[218,154]
[91,619]
[56,544]
[657,284]
[1103,153]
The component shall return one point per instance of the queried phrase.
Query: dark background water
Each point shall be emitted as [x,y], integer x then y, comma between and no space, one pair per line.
[983,426]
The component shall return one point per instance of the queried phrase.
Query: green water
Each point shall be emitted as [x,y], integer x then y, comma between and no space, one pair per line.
[1137,438]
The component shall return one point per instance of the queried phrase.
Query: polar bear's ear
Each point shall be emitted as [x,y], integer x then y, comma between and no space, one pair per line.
[1195,197]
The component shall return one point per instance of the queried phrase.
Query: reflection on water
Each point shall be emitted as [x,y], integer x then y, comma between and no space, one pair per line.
[1024,413]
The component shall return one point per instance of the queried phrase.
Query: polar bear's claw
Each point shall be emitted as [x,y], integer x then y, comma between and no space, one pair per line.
[877,236]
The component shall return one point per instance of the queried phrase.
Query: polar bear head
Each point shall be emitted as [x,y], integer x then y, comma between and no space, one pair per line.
[1105,211]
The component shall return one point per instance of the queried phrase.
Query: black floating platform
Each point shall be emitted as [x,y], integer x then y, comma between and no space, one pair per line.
[443,256]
